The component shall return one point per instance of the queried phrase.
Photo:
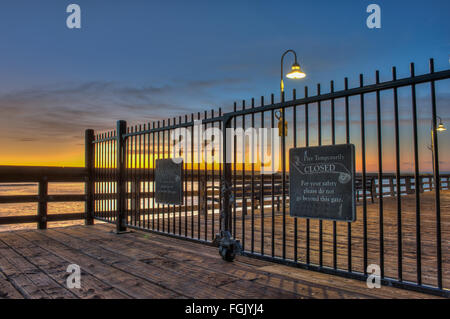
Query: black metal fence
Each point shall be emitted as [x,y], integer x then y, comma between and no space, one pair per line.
[401,226]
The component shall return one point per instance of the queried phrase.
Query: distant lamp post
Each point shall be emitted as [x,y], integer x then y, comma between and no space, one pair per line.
[439,128]
[296,73]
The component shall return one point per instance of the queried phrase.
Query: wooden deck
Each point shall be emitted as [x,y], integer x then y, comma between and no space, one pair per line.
[33,264]
[428,238]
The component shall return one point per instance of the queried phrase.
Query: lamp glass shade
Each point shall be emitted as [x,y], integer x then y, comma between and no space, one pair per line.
[296,72]
[441,128]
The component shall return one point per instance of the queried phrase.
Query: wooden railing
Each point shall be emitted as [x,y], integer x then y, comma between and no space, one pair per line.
[42,176]
[45,175]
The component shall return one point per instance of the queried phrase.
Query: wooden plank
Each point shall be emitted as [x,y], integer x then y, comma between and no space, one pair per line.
[56,268]
[21,174]
[7,289]
[176,257]
[33,282]
[9,220]
[185,283]
[121,280]
[200,269]
[14,199]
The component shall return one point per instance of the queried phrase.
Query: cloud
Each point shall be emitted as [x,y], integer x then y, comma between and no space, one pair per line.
[64,111]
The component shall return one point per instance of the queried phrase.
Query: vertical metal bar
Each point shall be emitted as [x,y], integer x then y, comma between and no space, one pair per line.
[174,219]
[164,156]
[244,198]
[96,152]
[138,182]
[121,182]
[380,176]
[294,97]
[89,153]
[226,182]
[234,173]
[134,189]
[363,159]
[319,139]
[186,182]
[398,181]
[180,154]
[436,181]
[213,203]
[153,178]
[132,173]
[100,180]
[192,176]
[220,170]
[252,149]
[283,173]
[110,143]
[113,217]
[347,135]
[149,178]
[103,175]
[206,182]
[159,157]
[333,142]
[199,183]
[168,156]
[272,123]
[308,226]
[262,178]
[128,175]
[110,135]
[416,179]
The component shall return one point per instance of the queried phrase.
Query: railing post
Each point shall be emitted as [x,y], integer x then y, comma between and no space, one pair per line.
[408,185]
[226,182]
[391,186]
[136,198]
[89,184]
[228,246]
[121,182]
[42,207]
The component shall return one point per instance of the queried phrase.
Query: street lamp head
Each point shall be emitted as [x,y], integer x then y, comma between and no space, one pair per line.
[296,72]
[441,127]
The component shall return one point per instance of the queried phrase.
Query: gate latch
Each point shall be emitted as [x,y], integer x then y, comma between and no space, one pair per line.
[228,246]
[278,115]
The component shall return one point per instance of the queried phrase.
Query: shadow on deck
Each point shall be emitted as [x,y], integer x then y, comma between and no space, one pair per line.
[33,264]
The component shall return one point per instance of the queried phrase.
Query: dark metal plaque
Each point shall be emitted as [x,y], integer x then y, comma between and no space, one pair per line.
[322,182]
[169,181]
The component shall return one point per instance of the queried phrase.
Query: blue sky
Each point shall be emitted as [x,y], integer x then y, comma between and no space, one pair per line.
[146,60]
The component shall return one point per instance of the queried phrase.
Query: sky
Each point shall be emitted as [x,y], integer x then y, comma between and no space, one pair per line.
[142,61]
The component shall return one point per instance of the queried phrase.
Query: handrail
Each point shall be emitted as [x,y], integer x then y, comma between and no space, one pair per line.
[42,176]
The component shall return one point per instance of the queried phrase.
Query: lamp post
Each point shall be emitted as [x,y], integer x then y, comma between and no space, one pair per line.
[296,73]
[439,128]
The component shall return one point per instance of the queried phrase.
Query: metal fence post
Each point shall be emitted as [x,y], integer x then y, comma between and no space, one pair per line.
[228,247]
[121,182]
[89,184]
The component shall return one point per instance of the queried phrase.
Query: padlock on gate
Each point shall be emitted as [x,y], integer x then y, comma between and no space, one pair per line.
[279,117]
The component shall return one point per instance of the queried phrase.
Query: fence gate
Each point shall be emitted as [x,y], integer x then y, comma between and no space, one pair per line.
[402,215]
